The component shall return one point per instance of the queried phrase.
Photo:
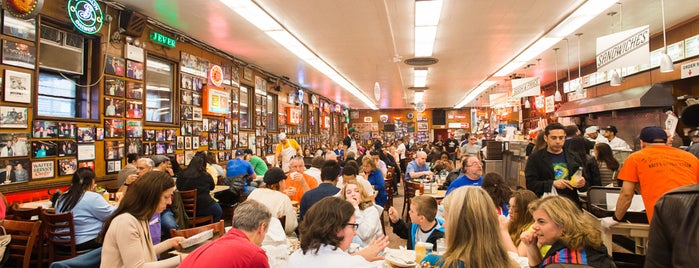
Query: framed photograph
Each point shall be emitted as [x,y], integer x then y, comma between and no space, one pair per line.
[188,143]
[13,117]
[13,26]
[134,109]
[149,134]
[86,152]
[186,97]
[195,142]
[18,86]
[67,166]
[134,90]
[134,69]
[114,65]
[186,82]
[196,99]
[180,142]
[247,74]
[87,164]
[43,169]
[188,155]
[196,114]
[114,86]
[196,128]
[170,148]
[134,146]
[17,170]
[160,148]
[203,141]
[41,149]
[87,134]
[113,166]
[67,130]
[160,135]
[134,128]
[113,107]
[197,84]
[44,129]
[67,148]
[170,134]
[186,113]
[243,142]
[14,144]
[18,54]
[114,149]
[114,128]
[422,126]
[99,133]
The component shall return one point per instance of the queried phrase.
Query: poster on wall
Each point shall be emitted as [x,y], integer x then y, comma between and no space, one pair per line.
[13,117]
[18,54]
[42,169]
[18,86]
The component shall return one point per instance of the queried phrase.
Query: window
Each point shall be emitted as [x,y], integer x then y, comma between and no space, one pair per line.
[57,95]
[271,112]
[159,91]
[244,108]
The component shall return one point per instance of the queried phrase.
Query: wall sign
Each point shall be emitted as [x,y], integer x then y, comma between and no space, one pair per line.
[86,15]
[162,39]
[216,75]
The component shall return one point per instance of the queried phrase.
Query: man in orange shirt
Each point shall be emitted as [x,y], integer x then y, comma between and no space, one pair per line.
[297,183]
[658,168]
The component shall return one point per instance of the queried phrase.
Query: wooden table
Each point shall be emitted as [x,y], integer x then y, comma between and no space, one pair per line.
[219,188]
[440,194]
[45,203]
[636,231]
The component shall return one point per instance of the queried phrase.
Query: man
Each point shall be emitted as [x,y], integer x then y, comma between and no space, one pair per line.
[328,173]
[143,165]
[21,174]
[19,147]
[450,146]
[127,170]
[286,149]
[314,171]
[240,246]
[553,168]
[658,168]
[471,148]
[418,168]
[376,156]
[401,153]
[297,183]
[473,174]
[6,150]
[340,151]
[8,175]
[439,143]
[615,142]
[694,145]
[162,163]
[258,164]
[350,143]
[239,166]
[592,134]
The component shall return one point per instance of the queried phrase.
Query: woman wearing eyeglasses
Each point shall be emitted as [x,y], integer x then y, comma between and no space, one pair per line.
[326,234]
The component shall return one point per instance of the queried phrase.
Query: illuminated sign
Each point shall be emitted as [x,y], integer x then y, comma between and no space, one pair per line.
[216,75]
[86,15]
[162,39]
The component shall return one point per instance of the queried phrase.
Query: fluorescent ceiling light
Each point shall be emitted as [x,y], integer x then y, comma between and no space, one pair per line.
[420,77]
[424,40]
[418,96]
[262,20]
[427,14]
[474,93]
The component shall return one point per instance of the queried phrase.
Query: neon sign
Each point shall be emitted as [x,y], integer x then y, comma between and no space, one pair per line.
[162,39]
[86,15]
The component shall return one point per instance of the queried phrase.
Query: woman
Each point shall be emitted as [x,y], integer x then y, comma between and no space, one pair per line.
[90,210]
[126,241]
[608,165]
[367,216]
[559,222]
[520,218]
[326,234]
[375,177]
[473,234]
[277,202]
[196,177]
[539,143]
[494,184]
[591,172]
[443,163]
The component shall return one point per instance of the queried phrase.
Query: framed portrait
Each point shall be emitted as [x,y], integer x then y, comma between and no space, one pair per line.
[149,134]
[114,86]
[86,152]
[114,128]
[113,166]
[13,117]
[195,142]
[205,123]
[20,28]
[113,107]
[188,143]
[134,69]
[197,84]
[243,140]
[134,146]
[171,147]
[247,74]
[203,141]
[67,130]
[160,135]
[18,170]
[186,113]
[67,148]
[44,129]
[180,142]
[42,149]
[186,97]
[188,155]
[87,164]
[18,54]
[114,149]
[170,134]
[134,128]
[134,109]
[422,126]
[114,65]
[186,82]
[160,148]
[14,144]
[87,134]
[67,166]
[196,114]
[99,133]
[43,169]
[196,99]
[134,90]
[147,148]
[196,128]
[18,86]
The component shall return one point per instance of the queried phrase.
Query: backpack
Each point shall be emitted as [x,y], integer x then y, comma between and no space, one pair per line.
[236,186]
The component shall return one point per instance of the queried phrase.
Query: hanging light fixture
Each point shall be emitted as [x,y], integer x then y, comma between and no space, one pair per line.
[666,65]
[526,103]
[556,96]
[580,87]
[615,79]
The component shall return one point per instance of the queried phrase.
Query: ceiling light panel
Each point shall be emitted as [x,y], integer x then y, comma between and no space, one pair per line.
[427,14]
[420,77]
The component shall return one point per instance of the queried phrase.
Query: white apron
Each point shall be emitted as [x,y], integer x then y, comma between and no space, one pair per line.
[287,154]
[353,147]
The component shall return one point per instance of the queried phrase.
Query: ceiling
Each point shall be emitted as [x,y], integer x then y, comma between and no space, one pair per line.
[367,40]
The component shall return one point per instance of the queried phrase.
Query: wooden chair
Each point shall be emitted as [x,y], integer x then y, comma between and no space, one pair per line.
[24,236]
[218,228]
[408,195]
[388,182]
[14,212]
[189,200]
[60,236]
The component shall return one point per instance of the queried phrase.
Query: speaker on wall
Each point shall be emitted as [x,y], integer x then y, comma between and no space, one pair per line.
[133,22]
[389,127]
[439,117]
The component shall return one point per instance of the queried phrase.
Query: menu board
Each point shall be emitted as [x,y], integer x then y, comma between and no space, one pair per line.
[691,46]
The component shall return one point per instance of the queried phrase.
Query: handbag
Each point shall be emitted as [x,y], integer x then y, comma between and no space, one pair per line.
[4,243]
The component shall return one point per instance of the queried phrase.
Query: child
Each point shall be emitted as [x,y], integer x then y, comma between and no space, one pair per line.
[424,227]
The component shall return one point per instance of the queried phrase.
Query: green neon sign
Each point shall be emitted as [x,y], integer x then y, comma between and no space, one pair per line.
[162,39]
[86,15]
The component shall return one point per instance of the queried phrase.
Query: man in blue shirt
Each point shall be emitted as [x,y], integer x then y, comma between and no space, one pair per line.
[418,168]
[473,174]
[328,174]
[238,166]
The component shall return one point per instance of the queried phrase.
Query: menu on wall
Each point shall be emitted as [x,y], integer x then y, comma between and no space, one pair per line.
[691,46]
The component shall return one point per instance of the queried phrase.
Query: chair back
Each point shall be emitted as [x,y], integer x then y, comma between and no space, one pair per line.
[189,202]
[60,235]
[218,229]
[24,234]
[23,214]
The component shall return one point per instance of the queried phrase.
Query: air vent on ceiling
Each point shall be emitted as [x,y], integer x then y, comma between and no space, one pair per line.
[418,88]
[422,61]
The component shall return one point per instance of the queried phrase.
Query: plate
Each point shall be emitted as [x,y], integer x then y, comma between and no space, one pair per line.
[401,258]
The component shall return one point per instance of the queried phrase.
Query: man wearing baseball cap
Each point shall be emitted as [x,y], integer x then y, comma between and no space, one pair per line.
[615,142]
[239,166]
[286,149]
[658,168]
